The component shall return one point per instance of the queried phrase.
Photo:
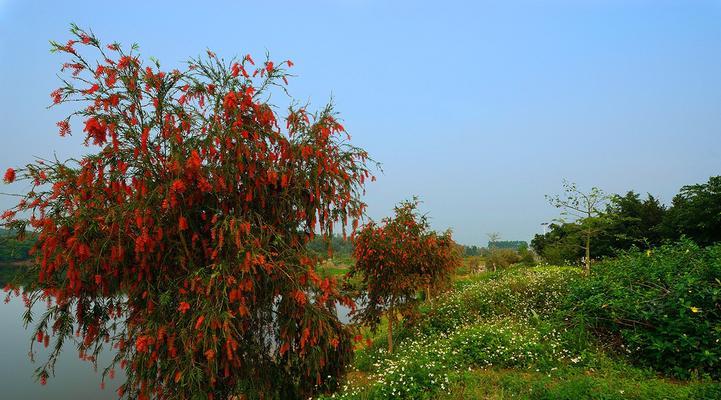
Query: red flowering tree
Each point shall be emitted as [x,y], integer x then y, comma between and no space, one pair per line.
[395,260]
[179,240]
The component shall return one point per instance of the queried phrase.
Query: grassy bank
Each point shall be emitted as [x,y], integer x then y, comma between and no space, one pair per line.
[502,335]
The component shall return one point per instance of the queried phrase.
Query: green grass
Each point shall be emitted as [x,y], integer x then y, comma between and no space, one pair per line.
[498,336]
[337,267]
[613,382]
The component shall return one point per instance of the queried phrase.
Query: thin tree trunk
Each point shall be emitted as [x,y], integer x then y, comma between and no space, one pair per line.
[391,316]
[587,269]
[428,292]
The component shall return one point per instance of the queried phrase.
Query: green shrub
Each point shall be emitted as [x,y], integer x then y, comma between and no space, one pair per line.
[518,292]
[501,258]
[662,308]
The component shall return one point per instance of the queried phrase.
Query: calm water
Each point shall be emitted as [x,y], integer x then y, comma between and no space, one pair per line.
[74,379]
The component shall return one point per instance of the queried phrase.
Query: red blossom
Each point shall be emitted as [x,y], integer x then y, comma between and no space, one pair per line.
[96,130]
[9,175]
[57,95]
[124,62]
[64,126]
[92,89]
[182,223]
[111,77]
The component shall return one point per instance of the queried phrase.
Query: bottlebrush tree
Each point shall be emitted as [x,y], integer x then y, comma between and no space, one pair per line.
[397,258]
[179,240]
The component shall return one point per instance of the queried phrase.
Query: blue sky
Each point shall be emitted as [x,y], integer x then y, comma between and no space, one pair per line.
[478,107]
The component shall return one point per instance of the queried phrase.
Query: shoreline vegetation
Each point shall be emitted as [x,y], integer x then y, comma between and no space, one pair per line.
[509,334]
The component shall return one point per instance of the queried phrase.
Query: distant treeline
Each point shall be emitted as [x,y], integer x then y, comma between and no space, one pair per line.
[632,221]
[341,247]
[344,247]
[508,244]
[12,249]
[473,250]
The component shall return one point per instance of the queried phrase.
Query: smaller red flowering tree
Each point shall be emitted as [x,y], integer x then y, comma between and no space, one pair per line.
[395,259]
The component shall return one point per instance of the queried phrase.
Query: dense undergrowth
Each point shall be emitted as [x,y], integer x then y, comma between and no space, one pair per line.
[663,306]
[513,334]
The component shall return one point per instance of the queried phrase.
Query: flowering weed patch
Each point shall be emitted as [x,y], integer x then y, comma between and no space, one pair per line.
[520,293]
[505,335]
[489,323]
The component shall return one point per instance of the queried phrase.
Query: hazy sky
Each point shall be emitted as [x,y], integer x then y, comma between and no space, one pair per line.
[478,107]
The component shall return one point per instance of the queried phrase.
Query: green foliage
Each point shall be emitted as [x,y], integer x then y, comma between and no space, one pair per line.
[615,381]
[526,256]
[496,321]
[501,258]
[470,251]
[629,221]
[13,249]
[584,211]
[517,292]
[424,367]
[632,222]
[503,335]
[561,245]
[696,213]
[661,307]
[341,248]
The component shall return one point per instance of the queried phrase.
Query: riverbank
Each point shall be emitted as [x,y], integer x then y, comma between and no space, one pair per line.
[498,336]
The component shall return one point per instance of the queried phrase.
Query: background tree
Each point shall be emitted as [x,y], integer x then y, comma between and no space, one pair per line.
[631,222]
[493,238]
[696,213]
[525,254]
[561,245]
[179,239]
[586,211]
[396,259]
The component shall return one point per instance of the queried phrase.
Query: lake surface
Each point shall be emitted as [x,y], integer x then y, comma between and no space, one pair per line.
[74,379]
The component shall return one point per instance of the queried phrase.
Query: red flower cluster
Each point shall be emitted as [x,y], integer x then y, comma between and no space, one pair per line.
[96,130]
[9,176]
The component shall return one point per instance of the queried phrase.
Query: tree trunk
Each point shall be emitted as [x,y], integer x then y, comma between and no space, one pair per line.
[428,292]
[587,269]
[391,316]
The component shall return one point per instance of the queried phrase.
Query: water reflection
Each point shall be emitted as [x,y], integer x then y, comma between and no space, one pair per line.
[74,378]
